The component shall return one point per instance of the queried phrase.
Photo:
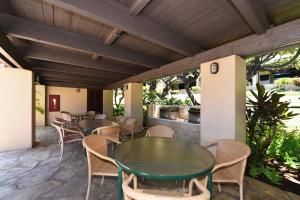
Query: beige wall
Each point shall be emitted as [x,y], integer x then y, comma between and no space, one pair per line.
[70,101]
[16,106]
[223,100]
[108,103]
[40,101]
[133,101]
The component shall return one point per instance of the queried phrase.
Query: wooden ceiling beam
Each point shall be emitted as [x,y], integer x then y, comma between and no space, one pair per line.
[77,59]
[73,80]
[58,74]
[279,37]
[42,33]
[135,9]
[8,50]
[138,6]
[138,26]
[253,13]
[72,85]
[58,67]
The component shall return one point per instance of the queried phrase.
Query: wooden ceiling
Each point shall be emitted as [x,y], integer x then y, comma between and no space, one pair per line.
[97,43]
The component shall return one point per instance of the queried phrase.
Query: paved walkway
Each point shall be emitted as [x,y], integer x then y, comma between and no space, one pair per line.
[37,174]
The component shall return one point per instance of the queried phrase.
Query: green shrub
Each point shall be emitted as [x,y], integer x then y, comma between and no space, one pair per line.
[286,146]
[118,111]
[268,172]
[265,117]
[284,81]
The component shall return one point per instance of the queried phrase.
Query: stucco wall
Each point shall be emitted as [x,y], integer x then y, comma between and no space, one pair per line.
[133,102]
[40,102]
[223,100]
[70,101]
[16,109]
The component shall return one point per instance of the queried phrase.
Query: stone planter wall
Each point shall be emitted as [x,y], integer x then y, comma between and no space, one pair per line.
[183,129]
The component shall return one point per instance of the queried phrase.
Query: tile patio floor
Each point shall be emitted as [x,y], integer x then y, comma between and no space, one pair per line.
[37,174]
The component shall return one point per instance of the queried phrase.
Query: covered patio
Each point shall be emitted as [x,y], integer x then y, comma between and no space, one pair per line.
[37,174]
[69,55]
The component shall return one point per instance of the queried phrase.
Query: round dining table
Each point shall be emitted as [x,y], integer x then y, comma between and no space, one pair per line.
[163,159]
[88,125]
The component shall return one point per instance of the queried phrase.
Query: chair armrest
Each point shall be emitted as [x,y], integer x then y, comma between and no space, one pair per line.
[74,131]
[213,143]
[227,164]
[114,140]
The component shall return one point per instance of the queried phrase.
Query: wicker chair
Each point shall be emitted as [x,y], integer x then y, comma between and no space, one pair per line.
[121,120]
[145,194]
[67,125]
[110,131]
[231,159]
[128,127]
[99,164]
[66,136]
[160,131]
[100,116]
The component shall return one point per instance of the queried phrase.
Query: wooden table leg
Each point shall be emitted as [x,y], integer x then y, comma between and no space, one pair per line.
[120,190]
[210,184]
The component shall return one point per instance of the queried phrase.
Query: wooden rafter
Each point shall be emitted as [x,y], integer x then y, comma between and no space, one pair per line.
[138,26]
[74,80]
[58,67]
[275,38]
[65,75]
[77,59]
[135,9]
[11,54]
[253,13]
[42,33]
[72,84]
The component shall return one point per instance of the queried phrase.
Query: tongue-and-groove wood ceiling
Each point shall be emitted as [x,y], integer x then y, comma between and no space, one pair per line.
[95,43]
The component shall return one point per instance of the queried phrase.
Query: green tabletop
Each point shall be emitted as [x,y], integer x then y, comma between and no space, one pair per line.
[164,159]
[88,125]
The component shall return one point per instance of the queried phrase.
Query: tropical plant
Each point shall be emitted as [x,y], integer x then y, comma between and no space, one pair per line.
[264,114]
[275,61]
[120,110]
[286,147]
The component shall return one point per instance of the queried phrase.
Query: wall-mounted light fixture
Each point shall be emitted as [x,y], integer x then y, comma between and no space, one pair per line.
[214,68]
[77,90]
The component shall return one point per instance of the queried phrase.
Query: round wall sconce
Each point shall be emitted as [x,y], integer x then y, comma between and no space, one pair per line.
[214,68]
[77,90]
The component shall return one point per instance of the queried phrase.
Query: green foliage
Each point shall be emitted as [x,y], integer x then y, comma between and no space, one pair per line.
[149,98]
[118,111]
[264,115]
[268,172]
[188,102]
[288,81]
[171,101]
[286,146]
[38,107]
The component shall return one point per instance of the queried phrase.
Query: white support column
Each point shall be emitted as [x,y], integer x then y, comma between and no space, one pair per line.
[223,100]
[16,109]
[108,103]
[134,103]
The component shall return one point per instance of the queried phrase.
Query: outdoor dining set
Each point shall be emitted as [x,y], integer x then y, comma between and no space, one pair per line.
[113,150]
